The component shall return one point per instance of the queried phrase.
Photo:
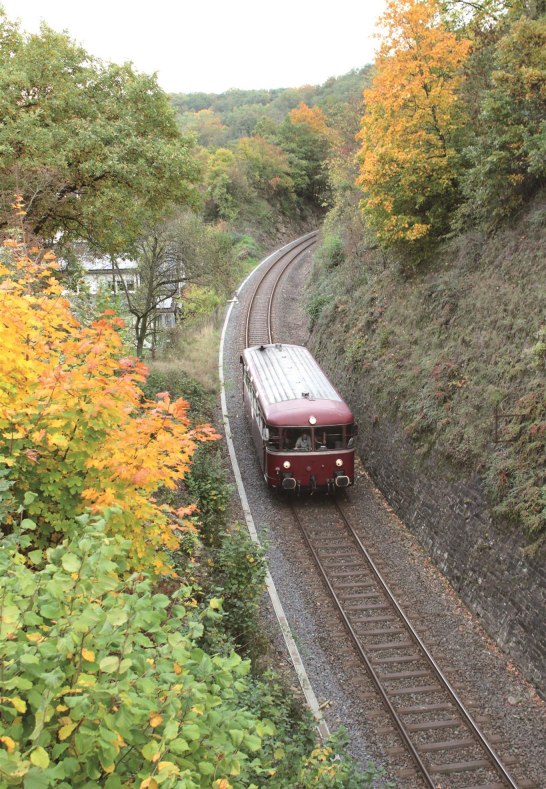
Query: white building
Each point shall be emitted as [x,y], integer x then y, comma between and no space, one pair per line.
[101,275]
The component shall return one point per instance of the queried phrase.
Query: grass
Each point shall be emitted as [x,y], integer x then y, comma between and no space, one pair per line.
[196,352]
[190,369]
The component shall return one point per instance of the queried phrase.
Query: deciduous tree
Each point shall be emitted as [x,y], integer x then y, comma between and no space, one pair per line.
[266,167]
[93,148]
[75,429]
[408,160]
[306,138]
[170,256]
[506,152]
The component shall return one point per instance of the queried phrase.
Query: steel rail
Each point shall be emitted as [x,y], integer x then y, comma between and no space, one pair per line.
[443,681]
[472,725]
[377,682]
[282,272]
[283,261]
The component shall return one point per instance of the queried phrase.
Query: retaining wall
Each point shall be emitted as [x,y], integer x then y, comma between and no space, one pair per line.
[483,559]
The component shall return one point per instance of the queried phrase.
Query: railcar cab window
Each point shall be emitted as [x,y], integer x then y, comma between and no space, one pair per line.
[330,437]
[333,437]
[273,438]
[304,441]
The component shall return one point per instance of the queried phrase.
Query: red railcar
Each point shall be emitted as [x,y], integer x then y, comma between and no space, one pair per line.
[303,431]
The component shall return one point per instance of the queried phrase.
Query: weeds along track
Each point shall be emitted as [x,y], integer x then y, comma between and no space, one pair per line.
[446,746]
[260,310]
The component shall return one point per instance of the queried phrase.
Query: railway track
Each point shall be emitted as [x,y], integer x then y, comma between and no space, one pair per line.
[446,747]
[259,318]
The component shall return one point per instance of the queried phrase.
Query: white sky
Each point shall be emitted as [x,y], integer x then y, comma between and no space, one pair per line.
[211,45]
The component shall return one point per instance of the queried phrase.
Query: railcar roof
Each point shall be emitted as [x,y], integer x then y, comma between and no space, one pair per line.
[283,373]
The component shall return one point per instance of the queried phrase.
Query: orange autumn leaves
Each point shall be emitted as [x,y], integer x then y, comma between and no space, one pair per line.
[408,160]
[75,429]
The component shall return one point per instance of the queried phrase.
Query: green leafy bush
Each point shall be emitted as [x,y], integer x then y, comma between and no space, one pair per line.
[207,486]
[332,251]
[170,378]
[506,154]
[239,571]
[102,681]
[315,306]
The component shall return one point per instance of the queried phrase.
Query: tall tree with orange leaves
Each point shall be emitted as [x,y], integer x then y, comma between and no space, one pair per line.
[408,157]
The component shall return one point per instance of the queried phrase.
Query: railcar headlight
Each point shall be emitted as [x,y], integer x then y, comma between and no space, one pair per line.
[286,464]
[339,462]
[312,420]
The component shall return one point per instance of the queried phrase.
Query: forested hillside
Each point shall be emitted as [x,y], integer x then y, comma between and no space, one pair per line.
[243,113]
[268,149]
[128,601]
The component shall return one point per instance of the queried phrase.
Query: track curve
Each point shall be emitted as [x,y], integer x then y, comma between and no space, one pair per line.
[259,318]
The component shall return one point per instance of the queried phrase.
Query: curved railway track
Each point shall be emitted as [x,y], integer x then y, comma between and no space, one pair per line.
[447,748]
[259,318]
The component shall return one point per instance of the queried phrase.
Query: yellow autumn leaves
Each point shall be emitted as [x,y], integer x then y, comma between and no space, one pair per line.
[407,158]
[75,428]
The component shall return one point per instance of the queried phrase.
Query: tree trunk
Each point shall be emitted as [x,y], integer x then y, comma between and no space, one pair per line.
[140,331]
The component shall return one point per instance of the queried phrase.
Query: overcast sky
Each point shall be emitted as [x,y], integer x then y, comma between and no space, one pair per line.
[214,45]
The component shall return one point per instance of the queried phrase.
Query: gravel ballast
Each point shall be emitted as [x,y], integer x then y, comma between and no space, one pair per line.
[505,703]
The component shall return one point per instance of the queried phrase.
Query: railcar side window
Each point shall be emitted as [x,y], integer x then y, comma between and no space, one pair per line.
[274,440]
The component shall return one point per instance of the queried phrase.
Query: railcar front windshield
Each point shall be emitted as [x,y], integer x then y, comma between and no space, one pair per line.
[306,438]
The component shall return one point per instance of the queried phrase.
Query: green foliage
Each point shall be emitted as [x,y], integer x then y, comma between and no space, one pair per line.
[453,135]
[267,169]
[437,353]
[165,377]
[183,251]
[259,157]
[243,113]
[93,148]
[239,569]
[331,251]
[506,154]
[224,185]
[207,487]
[255,169]
[247,247]
[327,766]
[515,475]
[307,150]
[104,684]
[315,305]
[355,351]
[200,301]
[102,681]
